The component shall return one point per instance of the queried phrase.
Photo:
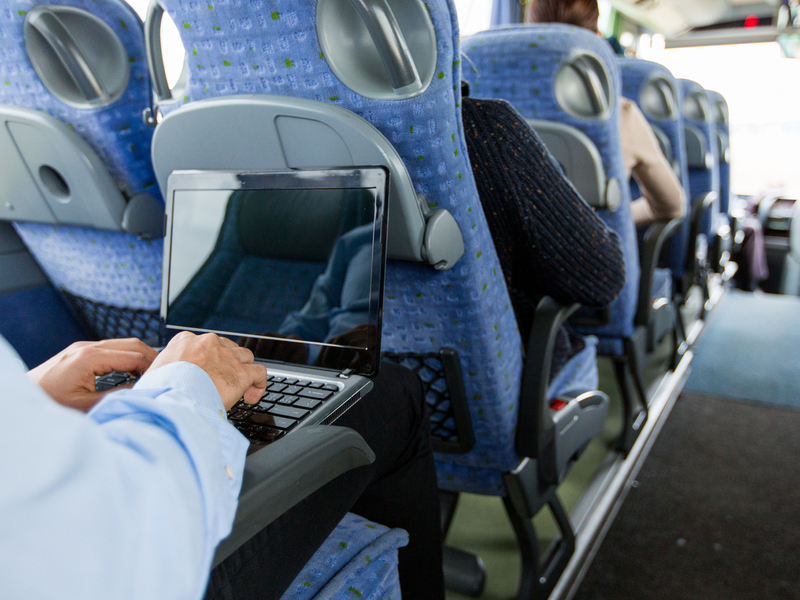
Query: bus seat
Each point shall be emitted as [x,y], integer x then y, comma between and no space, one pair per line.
[653,88]
[723,244]
[460,317]
[337,569]
[74,85]
[702,148]
[719,109]
[701,151]
[566,75]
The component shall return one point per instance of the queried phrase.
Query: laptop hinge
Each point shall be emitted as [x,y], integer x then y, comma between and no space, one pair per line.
[345,374]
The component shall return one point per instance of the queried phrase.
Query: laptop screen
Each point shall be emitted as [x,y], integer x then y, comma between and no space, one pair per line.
[287,263]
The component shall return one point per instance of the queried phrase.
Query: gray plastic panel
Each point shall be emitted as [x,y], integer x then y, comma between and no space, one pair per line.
[578,156]
[275,132]
[77,56]
[74,185]
[9,240]
[664,143]
[390,52]
[658,99]
[578,422]
[696,147]
[20,272]
[583,87]
[282,474]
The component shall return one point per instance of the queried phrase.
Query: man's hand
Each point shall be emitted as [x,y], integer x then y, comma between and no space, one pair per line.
[68,377]
[230,367]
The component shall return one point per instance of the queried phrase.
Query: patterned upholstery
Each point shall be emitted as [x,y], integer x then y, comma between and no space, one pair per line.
[358,560]
[239,47]
[519,64]
[724,166]
[702,181]
[100,266]
[636,74]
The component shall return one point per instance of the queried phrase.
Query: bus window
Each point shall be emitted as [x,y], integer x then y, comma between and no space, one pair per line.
[761,88]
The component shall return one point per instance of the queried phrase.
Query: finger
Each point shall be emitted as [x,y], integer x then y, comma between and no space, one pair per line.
[129,345]
[228,343]
[104,361]
[244,355]
[257,376]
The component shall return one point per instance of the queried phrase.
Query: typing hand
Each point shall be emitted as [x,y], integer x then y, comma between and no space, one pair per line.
[230,367]
[68,377]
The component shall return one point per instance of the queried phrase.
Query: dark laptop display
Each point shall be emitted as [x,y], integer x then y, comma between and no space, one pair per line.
[288,264]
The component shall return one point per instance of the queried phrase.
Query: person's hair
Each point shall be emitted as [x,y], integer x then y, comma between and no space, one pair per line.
[583,13]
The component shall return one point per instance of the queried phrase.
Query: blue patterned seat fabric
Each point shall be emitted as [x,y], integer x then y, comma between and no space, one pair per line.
[271,48]
[519,64]
[703,180]
[105,267]
[358,560]
[636,73]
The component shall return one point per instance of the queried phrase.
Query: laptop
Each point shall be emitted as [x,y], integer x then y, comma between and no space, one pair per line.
[289,264]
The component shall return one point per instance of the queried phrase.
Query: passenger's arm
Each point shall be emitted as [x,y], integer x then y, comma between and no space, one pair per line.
[128,502]
[558,246]
[663,196]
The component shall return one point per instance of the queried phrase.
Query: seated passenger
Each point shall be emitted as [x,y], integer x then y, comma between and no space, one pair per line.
[548,240]
[663,196]
[131,499]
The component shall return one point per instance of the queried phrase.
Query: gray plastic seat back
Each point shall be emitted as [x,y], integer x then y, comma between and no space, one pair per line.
[295,133]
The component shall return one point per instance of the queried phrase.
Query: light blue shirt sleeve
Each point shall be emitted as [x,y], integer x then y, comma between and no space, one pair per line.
[128,502]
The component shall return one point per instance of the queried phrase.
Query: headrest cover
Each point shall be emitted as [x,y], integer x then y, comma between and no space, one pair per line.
[77,56]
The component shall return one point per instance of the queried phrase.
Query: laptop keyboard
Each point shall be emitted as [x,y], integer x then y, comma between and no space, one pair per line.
[286,402]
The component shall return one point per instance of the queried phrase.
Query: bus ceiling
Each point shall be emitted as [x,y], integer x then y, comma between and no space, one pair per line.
[690,23]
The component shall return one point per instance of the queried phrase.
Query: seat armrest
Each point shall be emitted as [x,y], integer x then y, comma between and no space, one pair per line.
[281,475]
[654,238]
[535,427]
[591,317]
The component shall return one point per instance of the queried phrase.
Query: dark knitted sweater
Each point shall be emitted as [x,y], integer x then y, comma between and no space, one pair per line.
[548,240]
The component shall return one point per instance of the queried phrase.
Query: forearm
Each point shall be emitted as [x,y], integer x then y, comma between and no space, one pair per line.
[129,503]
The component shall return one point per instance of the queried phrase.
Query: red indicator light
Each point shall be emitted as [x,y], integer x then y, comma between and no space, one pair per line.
[557,404]
[751,21]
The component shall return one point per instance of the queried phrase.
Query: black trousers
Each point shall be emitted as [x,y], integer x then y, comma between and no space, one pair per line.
[397,490]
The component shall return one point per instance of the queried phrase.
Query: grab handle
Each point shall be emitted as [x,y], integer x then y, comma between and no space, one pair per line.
[390,43]
[63,45]
[155,57]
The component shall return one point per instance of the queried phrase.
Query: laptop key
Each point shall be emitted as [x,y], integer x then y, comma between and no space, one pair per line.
[315,384]
[288,411]
[290,381]
[292,389]
[276,378]
[276,387]
[269,434]
[283,423]
[330,387]
[307,403]
[287,400]
[302,382]
[315,394]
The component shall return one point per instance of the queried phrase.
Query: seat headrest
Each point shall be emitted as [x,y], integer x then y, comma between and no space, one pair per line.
[695,105]
[78,57]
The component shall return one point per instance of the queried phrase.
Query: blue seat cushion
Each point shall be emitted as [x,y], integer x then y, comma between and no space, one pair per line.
[358,560]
